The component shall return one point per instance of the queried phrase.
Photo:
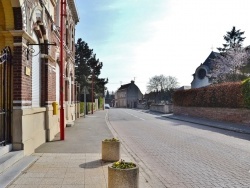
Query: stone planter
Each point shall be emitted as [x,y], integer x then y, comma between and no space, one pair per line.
[123,178]
[111,151]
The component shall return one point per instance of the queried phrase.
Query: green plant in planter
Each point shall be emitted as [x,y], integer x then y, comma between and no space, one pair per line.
[123,165]
[111,140]
[123,174]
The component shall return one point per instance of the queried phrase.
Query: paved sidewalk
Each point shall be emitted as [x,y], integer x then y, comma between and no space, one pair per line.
[76,161]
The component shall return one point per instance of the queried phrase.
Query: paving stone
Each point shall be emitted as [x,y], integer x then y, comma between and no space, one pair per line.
[184,154]
[169,153]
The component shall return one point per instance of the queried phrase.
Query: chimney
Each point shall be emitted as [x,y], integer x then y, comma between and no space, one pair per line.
[132,82]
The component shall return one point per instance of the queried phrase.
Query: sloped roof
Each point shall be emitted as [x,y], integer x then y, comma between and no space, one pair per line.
[209,59]
[124,86]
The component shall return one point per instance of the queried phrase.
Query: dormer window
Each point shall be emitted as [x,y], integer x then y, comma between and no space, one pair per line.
[202,73]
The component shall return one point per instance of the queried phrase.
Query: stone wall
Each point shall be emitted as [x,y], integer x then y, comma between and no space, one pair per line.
[141,106]
[166,109]
[221,114]
[29,129]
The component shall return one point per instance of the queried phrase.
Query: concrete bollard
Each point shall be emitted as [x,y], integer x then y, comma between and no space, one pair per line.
[123,178]
[111,151]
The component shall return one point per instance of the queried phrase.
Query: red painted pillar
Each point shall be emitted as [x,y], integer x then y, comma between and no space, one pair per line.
[63,13]
[92,91]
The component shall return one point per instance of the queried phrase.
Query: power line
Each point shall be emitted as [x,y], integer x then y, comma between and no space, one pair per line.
[128,82]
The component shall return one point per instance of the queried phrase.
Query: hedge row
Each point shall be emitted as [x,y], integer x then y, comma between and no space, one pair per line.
[89,107]
[246,92]
[81,107]
[100,102]
[227,95]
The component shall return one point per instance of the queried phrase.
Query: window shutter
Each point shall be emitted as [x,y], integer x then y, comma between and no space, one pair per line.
[36,76]
[57,83]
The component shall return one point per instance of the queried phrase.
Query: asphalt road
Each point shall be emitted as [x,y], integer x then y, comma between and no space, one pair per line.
[181,154]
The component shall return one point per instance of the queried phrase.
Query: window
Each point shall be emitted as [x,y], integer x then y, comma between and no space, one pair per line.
[201,73]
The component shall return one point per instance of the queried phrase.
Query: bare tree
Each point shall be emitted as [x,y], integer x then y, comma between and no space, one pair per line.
[171,82]
[161,83]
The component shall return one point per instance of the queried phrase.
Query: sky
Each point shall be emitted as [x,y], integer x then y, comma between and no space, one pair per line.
[139,39]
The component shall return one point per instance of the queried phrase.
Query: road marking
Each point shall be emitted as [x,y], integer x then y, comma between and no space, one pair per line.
[134,116]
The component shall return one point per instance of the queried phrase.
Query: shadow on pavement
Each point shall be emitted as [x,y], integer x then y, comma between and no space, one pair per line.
[94,164]
[221,130]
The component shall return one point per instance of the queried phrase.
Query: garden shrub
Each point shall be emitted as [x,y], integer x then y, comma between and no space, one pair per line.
[246,92]
[111,140]
[100,102]
[81,107]
[123,165]
[89,106]
[227,95]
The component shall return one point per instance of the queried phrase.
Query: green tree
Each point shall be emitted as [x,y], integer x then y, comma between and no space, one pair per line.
[107,95]
[88,68]
[82,56]
[100,86]
[233,39]
[95,66]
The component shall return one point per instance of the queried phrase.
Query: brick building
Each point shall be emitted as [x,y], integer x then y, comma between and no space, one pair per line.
[29,70]
[127,96]
[200,77]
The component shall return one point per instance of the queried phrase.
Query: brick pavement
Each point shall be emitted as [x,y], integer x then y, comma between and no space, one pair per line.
[182,154]
[170,153]
[67,170]
[75,162]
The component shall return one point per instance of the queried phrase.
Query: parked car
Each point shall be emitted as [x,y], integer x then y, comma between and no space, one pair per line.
[107,106]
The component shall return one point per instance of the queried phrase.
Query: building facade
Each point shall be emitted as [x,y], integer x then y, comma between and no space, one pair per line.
[127,96]
[200,77]
[30,30]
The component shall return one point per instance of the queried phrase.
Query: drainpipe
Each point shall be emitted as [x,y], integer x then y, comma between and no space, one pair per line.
[63,13]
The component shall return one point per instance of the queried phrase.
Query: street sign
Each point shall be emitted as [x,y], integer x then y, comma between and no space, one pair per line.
[85,90]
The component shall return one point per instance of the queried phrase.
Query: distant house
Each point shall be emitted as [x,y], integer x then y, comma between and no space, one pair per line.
[183,88]
[128,95]
[200,77]
[109,99]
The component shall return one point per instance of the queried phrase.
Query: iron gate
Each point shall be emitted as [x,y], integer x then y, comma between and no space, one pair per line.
[5,96]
